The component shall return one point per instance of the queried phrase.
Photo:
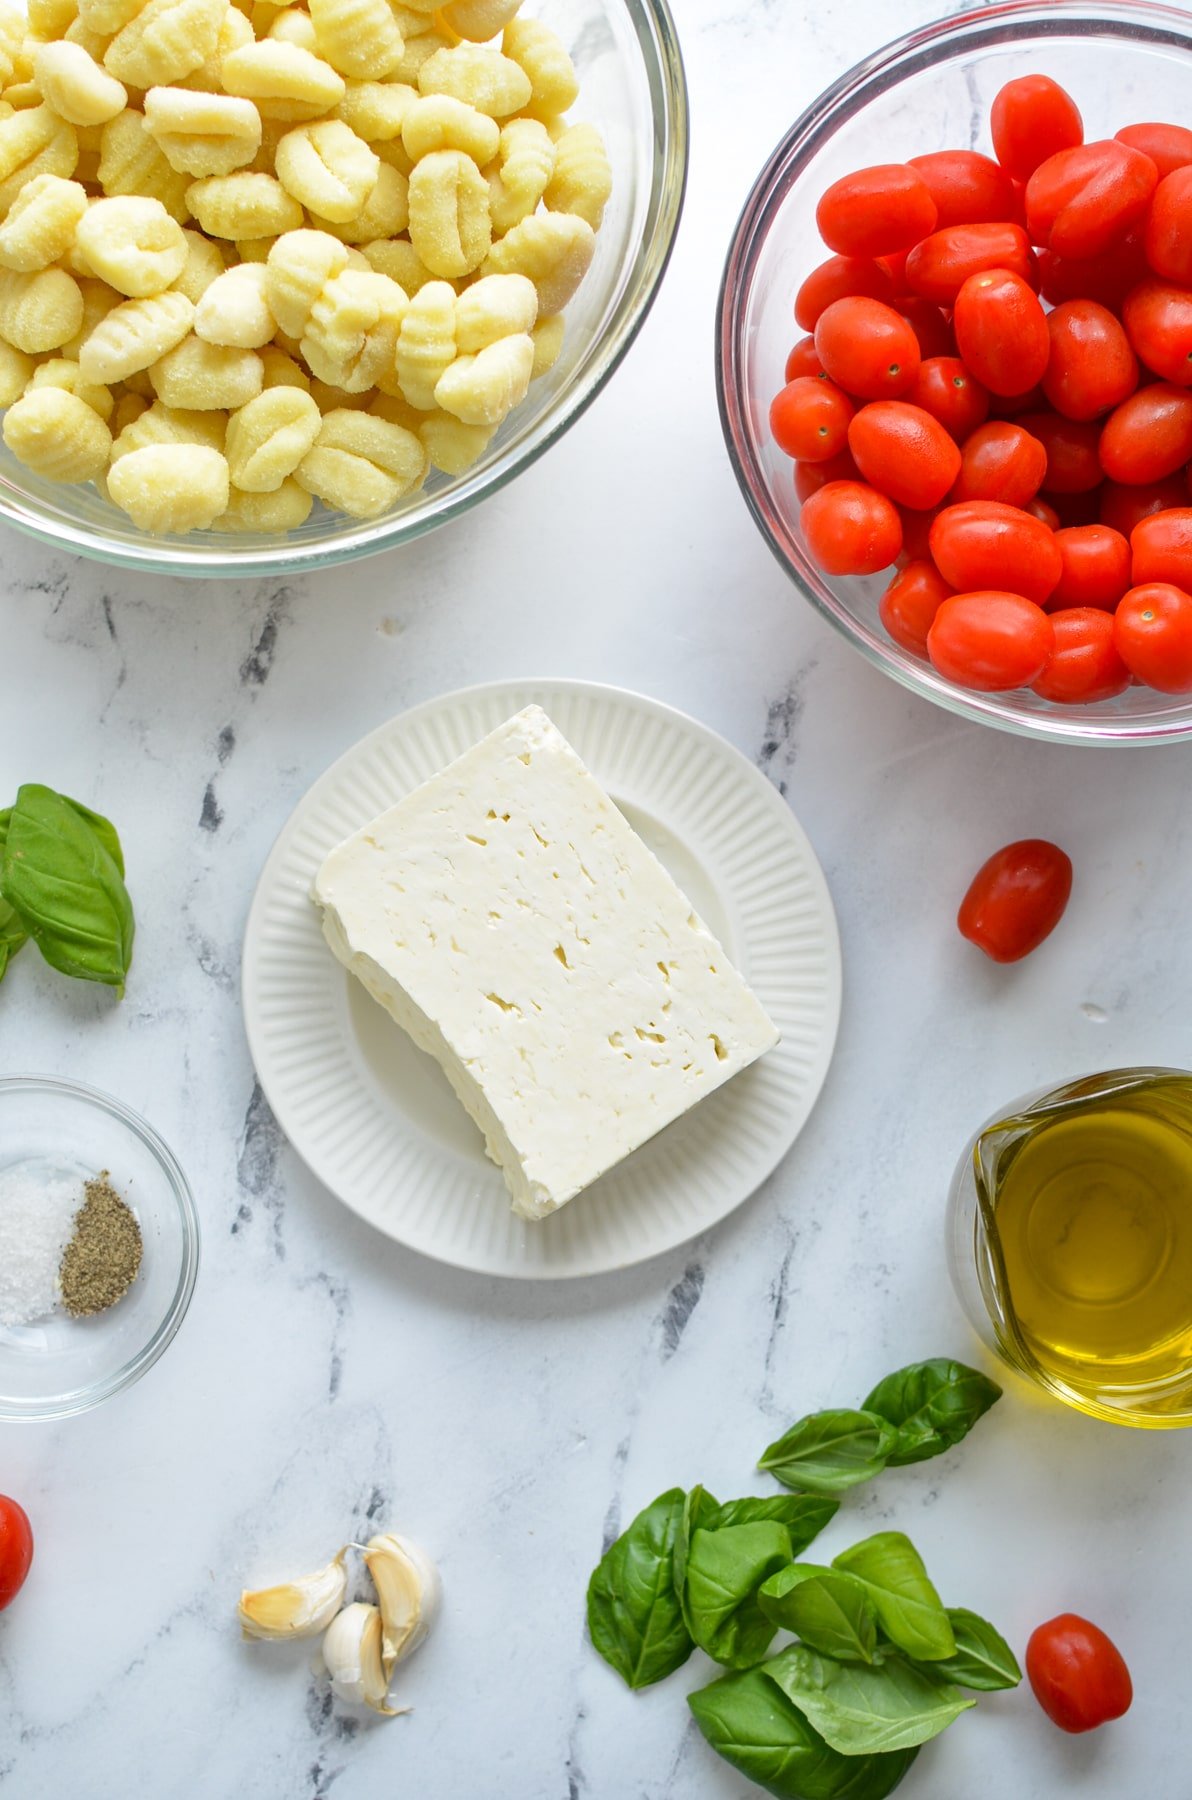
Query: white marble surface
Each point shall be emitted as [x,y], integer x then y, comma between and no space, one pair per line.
[324,1379]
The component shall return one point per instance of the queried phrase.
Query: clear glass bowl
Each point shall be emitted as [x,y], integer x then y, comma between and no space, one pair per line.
[626,54]
[62,1365]
[932,90]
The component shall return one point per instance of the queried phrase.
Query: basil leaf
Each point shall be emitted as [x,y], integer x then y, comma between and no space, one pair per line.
[634,1618]
[983,1659]
[749,1721]
[934,1404]
[828,1452]
[827,1609]
[859,1710]
[12,931]
[724,1570]
[804,1515]
[62,880]
[103,828]
[909,1610]
[699,1508]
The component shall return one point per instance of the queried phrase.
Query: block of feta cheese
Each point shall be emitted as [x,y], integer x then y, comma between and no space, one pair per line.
[510,919]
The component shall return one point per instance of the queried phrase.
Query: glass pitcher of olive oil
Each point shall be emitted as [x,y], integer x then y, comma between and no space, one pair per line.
[1070,1242]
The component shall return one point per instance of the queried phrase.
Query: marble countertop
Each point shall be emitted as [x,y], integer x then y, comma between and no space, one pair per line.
[325,1381]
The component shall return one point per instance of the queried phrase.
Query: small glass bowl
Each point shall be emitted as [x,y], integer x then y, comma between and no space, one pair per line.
[932,90]
[61,1365]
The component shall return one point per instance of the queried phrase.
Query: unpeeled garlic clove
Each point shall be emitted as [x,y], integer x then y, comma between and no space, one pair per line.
[408,1587]
[295,1609]
[352,1654]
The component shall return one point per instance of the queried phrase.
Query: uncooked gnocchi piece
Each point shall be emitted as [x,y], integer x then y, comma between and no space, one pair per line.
[132,243]
[583,178]
[169,489]
[440,122]
[539,53]
[163,41]
[243,206]
[494,307]
[64,372]
[426,345]
[41,223]
[58,435]
[299,266]
[383,215]
[397,258]
[75,86]
[358,37]
[285,509]
[351,334]
[327,169]
[286,81]
[202,134]
[39,312]
[484,389]
[160,424]
[376,110]
[361,464]
[268,438]
[554,249]
[201,376]
[34,142]
[235,309]
[130,162]
[16,370]
[526,162]
[451,445]
[135,335]
[450,224]
[492,83]
[478,20]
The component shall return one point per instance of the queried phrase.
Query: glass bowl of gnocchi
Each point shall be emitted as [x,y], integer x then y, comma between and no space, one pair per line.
[282,285]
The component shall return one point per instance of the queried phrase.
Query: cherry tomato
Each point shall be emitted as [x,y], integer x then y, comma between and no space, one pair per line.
[1084,665]
[1072,445]
[1168,146]
[1161,548]
[1107,278]
[1152,628]
[1081,200]
[1091,367]
[876,211]
[981,542]
[1077,1674]
[1000,461]
[810,418]
[1168,235]
[839,279]
[1149,435]
[1014,901]
[990,640]
[867,348]
[803,360]
[1001,331]
[946,389]
[810,477]
[1042,509]
[851,529]
[16,1549]
[1031,119]
[968,188]
[1123,506]
[910,603]
[938,267]
[1096,569]
[1157,316]
[904,452]
[929,326]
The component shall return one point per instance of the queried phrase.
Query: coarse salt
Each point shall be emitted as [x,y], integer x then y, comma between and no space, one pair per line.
[37,1210]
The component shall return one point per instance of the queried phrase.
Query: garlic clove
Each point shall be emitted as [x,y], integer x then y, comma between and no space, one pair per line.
[295,1609]
[409,1590]
[352,1655]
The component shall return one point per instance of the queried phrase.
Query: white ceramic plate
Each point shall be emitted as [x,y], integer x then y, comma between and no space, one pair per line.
[375,1119]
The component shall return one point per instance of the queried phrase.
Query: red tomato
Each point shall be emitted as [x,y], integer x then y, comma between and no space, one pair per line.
[810,418]
[1001,331]
[904,453]
[851,529]
[1073,463]
[981,542]
[1149,435]
[1031,119]
[1168,235]
[1096,569]
[990,640]
[1107,278]
[1122,506]
[929,326]
[938,267]
[1091,367]
[1158,320]
[1014,901]
[1000,461]
[1152,628]
[1168,146]
[910,603]
[946,389]
[1161,548]
[1040,509]
[968,188]
[1085,665]
[867,348]
[838,279]
[1080,201]
[803,360]
[876,211]
[810,477]
[1077,1674]
[16,1549]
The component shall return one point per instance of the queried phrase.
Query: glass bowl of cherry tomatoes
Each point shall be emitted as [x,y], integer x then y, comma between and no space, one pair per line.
[956,386]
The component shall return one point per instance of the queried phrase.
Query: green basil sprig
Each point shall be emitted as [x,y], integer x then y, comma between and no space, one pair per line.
[12,932]
[909,1610]
[827,1609]
[982,1660]
[828,1452]
[62,880]
[634,1616]
[860,1710]
[723,1556]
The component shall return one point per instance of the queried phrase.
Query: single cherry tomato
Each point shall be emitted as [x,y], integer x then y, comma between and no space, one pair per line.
[1168,235]
[1096,569]
[945,388]
[1031,118]
[910,603]
[1161,548]
[1015,900]
[1084,665]
[1077,1674]
[929,326]
[981,542]
[938,267]
[968,188]
[1091,367]
[1157,316]
[810,477]
[903,452]
[1042,509]
[1123,506]
[1081,200]
[990,640]
[1149,435]
[876,211]
[1000,461]
[1152,628]
[16,1549]
[1001,331]
[839,279]
[867,348]
[1107,278]
[1168,146]
[851,529]
[809,419]
[1072,445]
[803,360]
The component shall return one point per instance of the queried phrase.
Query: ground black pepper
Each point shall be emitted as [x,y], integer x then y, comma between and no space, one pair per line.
[100,1263]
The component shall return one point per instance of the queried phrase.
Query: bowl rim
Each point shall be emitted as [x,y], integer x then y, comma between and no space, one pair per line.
[80,1400]
[882,69]
[653,26]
